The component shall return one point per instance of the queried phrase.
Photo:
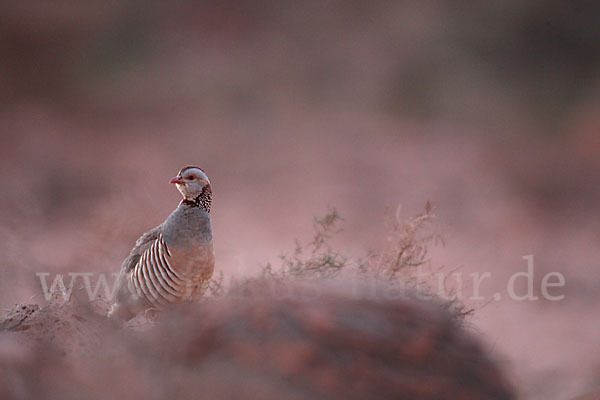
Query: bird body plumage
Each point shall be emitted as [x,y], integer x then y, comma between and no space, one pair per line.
[174,261]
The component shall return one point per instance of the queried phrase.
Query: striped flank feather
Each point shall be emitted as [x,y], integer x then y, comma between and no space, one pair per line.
[155,280]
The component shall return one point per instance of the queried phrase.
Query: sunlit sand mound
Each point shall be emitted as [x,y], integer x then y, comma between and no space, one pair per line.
[263,340]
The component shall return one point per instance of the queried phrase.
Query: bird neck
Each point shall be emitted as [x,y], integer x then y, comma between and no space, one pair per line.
[203,200]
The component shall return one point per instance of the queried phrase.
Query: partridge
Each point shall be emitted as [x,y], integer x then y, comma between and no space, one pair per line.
[173,262]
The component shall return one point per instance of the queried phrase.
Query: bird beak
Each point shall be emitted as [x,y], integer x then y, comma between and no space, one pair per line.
[176,180]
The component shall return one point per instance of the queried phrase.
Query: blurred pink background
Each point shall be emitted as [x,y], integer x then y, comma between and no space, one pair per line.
[491,111]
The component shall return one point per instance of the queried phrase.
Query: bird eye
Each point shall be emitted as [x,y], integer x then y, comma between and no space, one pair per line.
[191,177]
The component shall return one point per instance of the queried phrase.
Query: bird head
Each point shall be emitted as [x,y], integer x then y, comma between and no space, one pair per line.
[191,181]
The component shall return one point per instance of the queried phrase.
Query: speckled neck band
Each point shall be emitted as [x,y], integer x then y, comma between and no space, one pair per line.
[204,199]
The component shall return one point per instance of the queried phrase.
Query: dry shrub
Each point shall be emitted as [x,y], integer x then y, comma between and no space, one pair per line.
[405,252]
[316,258]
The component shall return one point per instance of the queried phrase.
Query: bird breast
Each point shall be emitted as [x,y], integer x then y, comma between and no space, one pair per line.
[194,263]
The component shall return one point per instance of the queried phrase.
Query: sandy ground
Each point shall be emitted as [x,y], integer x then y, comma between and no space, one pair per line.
[79,208]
